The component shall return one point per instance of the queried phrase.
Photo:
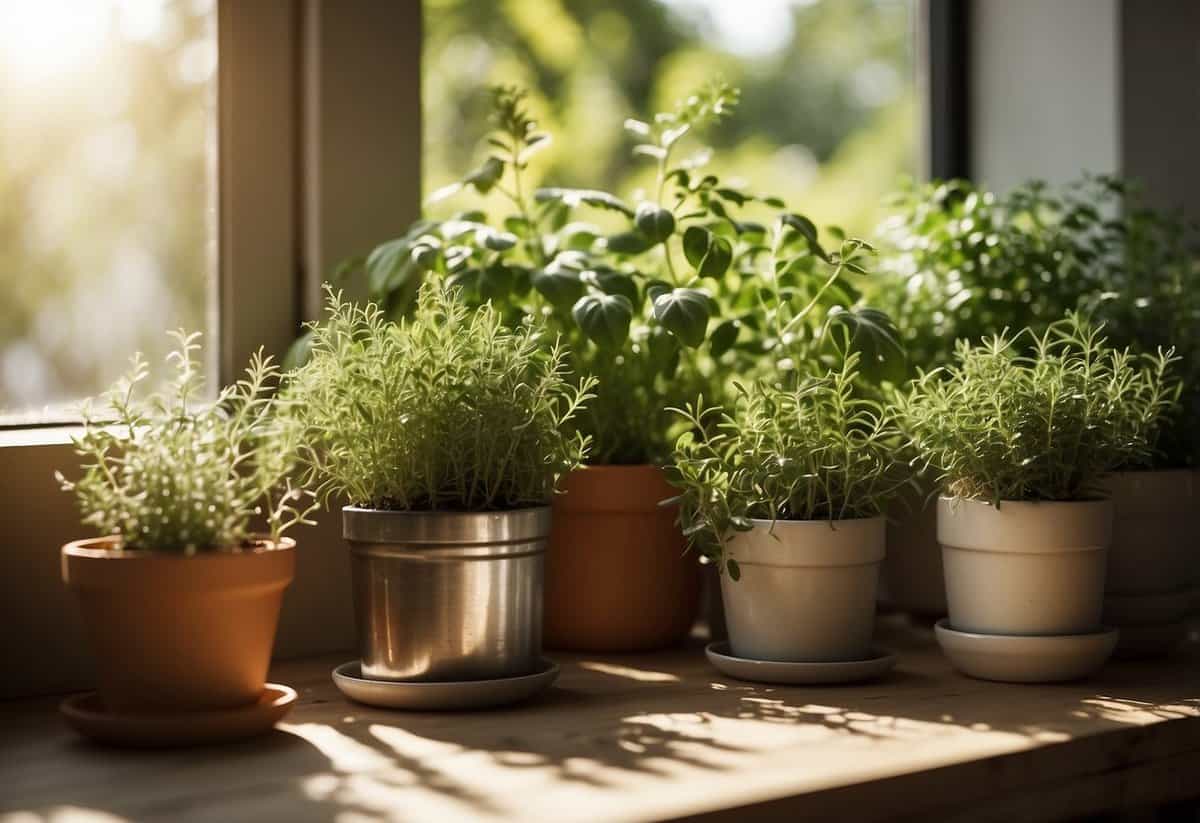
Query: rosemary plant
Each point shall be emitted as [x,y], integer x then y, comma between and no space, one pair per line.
[174,474]
[999,424]
[449,409]
[814,451]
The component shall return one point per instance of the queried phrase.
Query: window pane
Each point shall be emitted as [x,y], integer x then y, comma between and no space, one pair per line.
[828,119]
[106,198]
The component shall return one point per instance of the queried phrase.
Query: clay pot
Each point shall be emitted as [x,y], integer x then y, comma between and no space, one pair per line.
[618,574]
[179,633]
[807,589]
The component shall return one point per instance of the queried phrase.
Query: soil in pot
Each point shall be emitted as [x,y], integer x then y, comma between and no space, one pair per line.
[807,589]
[619,577]
[179,633]
[1024,568]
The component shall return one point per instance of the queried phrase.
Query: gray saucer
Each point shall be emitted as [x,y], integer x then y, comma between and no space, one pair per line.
[1025,658]
[424,697]
[798,674]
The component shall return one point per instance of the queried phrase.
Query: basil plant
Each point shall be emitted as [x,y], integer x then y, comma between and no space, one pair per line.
[661,297]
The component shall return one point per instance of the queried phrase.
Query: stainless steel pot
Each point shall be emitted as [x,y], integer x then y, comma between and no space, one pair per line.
[446,595]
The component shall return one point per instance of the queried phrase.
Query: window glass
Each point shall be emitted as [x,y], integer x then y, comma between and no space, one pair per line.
[828,118]
[107,113]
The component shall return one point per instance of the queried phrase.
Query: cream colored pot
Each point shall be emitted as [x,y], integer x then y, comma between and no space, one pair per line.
[807,589]
[1025,568]
[1155,531]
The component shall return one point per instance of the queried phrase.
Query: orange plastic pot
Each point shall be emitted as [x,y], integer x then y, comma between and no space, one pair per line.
[618,576]
[179,633]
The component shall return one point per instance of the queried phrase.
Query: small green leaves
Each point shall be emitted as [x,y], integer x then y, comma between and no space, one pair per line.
[590,197]
[656,223]
[486,176]
[735,571]
[724,336]
[872,335]
[628,242]
[604,318]
[559,285]
[808,231]
[389,266]
[684,313]
[708,253]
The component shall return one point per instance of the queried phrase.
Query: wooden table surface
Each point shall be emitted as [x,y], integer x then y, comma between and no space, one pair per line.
[641,737]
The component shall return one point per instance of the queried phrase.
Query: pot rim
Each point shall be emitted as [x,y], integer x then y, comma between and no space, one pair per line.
[953,500]
[445,528]
[85,548]
[829,522]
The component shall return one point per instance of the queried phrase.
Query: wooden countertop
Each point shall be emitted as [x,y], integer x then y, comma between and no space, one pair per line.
[641,737]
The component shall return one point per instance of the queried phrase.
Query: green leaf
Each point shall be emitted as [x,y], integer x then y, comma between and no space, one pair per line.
[656,223]
[871,333]
[497,240]
[808,230]
[486,176]
[723,337]
[628,242]
[709,254]
[684,313]
[735,571]
[559,285]
[613,282]
[389,266]
[604,318]
[496,283]
[590,197]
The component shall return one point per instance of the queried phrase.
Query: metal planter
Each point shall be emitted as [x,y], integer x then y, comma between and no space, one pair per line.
[446,596]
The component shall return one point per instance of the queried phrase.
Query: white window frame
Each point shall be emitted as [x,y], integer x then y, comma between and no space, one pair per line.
[318,158]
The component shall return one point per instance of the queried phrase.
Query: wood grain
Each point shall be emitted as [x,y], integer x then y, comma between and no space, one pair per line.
[657,736]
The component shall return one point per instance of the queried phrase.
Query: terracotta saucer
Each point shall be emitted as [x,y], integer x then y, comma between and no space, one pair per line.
[87,715]
[444,696]
[799,673]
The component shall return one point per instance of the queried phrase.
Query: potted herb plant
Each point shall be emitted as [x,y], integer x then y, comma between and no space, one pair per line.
[787,493]
[658,298]
[179,595]
[1022,444]
[447,434]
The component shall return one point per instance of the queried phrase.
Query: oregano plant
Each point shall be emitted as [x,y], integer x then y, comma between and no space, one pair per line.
[174,472]
[660,296]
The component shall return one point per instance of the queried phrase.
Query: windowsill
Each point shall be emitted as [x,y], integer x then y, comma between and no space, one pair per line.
[656,736]
[25,436]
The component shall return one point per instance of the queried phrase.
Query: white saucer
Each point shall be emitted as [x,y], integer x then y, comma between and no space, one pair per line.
[798,674]
[1024,658]
[452,696]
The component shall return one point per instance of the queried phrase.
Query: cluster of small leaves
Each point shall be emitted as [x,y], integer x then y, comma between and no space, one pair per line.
[172,473]
[815,451]
[659,297]
[961,262]
[449,409]
[1149,270]
[999,424]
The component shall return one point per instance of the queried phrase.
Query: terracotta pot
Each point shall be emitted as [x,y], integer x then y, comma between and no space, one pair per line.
[618,576]
[807,589]
[179,633]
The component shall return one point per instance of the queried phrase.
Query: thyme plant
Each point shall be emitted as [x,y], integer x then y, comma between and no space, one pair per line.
[999,424]
[661,296]
[449,409]
[173,473]
[816,450]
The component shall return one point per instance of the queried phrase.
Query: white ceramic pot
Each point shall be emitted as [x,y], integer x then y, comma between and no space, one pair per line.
[807,589]
[1154,546]
[1025,568]
[912,569]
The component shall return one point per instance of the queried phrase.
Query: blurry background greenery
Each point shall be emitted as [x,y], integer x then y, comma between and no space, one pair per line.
[828,116]
[107,117]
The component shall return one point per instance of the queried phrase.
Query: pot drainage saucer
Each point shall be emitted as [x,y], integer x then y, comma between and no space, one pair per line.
[797,673]
[1025,658]
[445,696]
[85,713]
